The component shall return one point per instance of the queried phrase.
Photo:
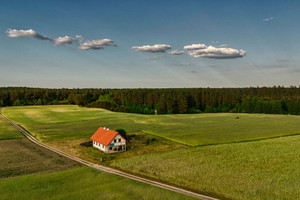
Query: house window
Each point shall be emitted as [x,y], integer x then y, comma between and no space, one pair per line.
[115,140]
[119,140]
[110,148]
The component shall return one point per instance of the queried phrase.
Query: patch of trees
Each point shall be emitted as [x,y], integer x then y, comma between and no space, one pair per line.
[271,100]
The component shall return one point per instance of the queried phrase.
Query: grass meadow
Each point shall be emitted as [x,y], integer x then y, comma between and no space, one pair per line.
[267,169]
[7,131]
[80,183]
[72,122]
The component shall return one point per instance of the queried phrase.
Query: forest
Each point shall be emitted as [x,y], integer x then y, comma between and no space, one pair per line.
[269,100]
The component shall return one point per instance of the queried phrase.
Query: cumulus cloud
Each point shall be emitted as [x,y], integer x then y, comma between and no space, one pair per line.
[152,49]
[63,40]
[268,19]
[25,33]
[195,47]
[60,41]
[95,44]
[177,52]
[217,53]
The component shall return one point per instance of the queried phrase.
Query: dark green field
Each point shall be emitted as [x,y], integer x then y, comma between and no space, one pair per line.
[72,122]
[21,157]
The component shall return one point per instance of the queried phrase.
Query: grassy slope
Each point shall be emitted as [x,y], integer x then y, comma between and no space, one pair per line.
[70,122]
[80,183]
[7,131]
[268,169]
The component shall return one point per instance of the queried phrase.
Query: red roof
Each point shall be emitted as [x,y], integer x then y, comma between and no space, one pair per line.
[104,136]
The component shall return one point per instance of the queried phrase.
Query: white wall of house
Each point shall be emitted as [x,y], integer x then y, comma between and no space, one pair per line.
[99,146]
[116,142]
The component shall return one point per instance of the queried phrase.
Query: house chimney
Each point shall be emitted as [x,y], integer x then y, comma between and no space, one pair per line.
[107,129]
[104,128]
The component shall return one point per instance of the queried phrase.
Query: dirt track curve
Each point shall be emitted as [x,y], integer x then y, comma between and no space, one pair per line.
[106,169]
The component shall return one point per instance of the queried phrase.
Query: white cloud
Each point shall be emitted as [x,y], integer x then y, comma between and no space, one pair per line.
[177,52]
[195,47]
[63,40]
[95,44]
[217,53]
[223,45]
[215,42]
[59,41]
[268,19]
[25,33]
[79,37]
[153,49]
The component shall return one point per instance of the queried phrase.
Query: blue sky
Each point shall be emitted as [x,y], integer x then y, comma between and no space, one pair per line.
[247,43]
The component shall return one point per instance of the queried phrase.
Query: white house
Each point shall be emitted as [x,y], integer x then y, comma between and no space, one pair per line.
[109,141]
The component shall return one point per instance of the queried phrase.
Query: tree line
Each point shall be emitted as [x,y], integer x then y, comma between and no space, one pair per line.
[270,100]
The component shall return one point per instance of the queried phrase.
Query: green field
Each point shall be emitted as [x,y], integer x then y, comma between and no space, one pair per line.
[22,157]
[72,122]
[267,169]
[7,131]
[19,156]
[28,171]
[80,183]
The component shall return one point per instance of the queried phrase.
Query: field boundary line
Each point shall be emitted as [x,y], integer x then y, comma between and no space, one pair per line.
[104,168]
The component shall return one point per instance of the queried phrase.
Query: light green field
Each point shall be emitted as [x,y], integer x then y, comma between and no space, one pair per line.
[267,169]
[80,183]
[72,122]
[7,131]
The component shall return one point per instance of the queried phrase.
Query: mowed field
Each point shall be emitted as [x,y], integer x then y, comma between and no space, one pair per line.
[81,183]
[72,122]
